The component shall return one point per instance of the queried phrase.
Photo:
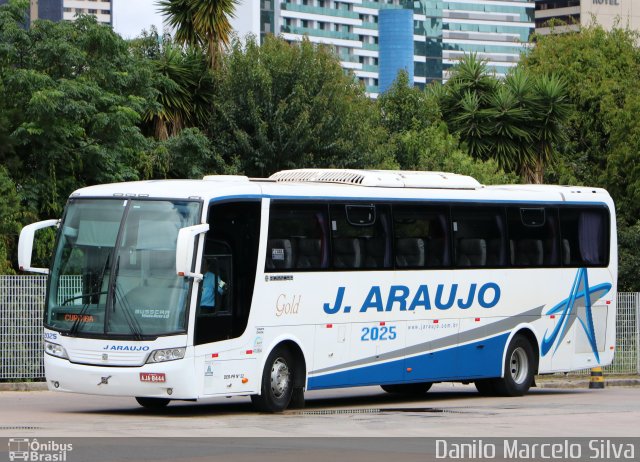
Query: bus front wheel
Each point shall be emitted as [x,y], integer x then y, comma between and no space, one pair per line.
[152,403]
[277,382]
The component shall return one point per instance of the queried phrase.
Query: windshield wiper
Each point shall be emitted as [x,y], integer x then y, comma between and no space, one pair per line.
[132,322]
[80,316]
[86,294]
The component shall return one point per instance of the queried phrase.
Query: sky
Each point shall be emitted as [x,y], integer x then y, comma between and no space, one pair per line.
[131,17]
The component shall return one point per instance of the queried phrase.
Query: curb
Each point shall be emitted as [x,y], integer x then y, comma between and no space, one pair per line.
[584,383]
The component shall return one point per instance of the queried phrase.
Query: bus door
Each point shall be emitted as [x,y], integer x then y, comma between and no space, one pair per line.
[229,269]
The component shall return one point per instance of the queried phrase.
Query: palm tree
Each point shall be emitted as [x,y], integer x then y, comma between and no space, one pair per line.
[551,109]
[202,23]
[183,85]
[516,121]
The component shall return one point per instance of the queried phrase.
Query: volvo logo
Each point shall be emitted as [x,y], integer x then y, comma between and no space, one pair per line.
[104,380]
[105,357]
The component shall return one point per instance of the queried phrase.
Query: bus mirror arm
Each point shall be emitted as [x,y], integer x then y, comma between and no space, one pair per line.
[25,245]
[184,249]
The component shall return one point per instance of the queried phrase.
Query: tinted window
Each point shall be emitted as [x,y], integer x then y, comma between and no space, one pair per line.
[360,236]
[533,236]
[297,237]
[421,236]
[585,236]
[479,236]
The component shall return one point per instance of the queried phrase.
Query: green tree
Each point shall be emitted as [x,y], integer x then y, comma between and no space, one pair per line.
[550,111]
[201,23]
[9,221]
[487,114]
[420,140]
[189,154]
[517,121]
[183,84]
[598,67]
[405,107]
[72,99]
[284,105]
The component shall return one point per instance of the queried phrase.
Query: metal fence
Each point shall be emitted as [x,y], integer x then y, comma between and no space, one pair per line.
[22,301]
[21,308]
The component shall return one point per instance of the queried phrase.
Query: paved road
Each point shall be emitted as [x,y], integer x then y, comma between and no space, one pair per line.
[447,410]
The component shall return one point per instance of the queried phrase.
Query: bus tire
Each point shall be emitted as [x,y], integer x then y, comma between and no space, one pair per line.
[277,382]
[152,403]
[486,387]
[297,399]
[519,368]
[415,389]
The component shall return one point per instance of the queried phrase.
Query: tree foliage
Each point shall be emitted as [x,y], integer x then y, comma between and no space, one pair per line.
[183,85]
[599,67]
[517,121]
[603,130]
[72,99]
[420,140]
[284,105]
[81,106]
[201,24]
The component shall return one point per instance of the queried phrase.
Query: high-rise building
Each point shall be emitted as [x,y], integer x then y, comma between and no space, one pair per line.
[43,9]
[569,15]
[377,38]
[101,9]
[57,10]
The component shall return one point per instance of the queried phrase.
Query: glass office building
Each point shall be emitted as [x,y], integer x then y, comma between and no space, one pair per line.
[50,10]
[557,16]
[432,34]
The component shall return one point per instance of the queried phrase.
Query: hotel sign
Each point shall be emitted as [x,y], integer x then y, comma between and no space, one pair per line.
[607,2]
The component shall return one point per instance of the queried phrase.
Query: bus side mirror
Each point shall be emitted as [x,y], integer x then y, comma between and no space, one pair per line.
[25,245]
[184,249]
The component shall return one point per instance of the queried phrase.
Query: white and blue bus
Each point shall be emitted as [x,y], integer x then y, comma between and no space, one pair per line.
[324,279]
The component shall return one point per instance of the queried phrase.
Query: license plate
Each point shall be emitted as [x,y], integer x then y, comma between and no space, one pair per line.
[152,377]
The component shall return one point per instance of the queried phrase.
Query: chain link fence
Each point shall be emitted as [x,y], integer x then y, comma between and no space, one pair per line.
[21,310]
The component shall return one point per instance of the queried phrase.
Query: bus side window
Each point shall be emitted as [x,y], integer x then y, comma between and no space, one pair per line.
[480,237]
[361,236]
[298,237]
[585,239]
[421,236]
[534,237]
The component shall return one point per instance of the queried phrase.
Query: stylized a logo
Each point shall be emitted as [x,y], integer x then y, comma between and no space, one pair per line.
[581,295]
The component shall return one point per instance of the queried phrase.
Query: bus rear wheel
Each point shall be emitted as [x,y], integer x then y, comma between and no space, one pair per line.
[152,403]
[277,382]
[415,389]
[519,368]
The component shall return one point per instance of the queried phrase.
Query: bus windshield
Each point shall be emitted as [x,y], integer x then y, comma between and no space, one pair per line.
[113,272]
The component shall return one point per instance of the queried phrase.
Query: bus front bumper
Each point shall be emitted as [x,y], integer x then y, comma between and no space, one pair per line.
[171,379]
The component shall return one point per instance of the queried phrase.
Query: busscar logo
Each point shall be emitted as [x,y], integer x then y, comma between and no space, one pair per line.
[36,451]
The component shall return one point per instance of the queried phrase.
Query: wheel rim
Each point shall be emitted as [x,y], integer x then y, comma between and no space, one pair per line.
[280,378]
[519,365]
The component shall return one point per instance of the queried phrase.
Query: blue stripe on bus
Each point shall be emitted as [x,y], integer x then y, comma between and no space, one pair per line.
[482,359]
[455,201]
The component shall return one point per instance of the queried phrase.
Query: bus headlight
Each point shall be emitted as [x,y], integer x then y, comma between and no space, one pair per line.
[169,354]
[55,350]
